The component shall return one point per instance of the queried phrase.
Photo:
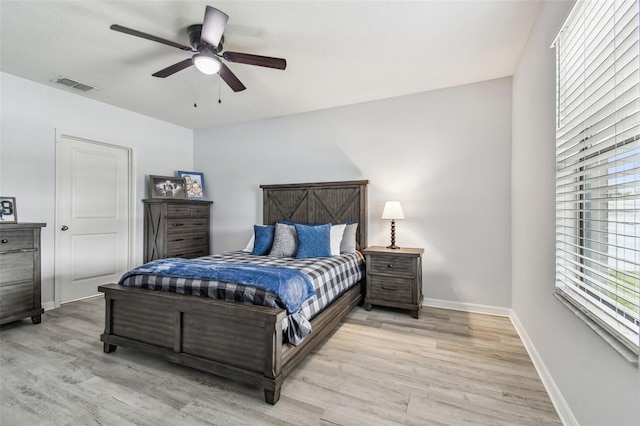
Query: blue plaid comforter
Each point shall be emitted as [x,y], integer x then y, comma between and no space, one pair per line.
[329,277]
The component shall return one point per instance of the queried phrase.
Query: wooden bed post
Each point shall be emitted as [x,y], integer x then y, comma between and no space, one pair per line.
[108,348]
[273,363]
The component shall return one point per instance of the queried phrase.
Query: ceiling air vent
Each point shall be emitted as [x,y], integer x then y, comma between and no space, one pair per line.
[74,84]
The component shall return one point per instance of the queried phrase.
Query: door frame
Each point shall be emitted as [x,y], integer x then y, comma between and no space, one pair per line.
[131,229]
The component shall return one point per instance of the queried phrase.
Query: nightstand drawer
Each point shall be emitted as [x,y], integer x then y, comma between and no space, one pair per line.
[391,289]
[389,264]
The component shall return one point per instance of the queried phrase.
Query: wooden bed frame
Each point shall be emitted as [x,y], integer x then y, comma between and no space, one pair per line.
[238,341]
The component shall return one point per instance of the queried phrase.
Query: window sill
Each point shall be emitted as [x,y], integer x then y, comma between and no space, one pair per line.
[629,355]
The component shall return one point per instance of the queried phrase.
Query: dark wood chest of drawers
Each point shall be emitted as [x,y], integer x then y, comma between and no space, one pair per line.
[176,228]
[394,278]
[20,272]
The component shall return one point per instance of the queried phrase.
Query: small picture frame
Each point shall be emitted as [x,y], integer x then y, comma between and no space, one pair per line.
[195,184]
[167,187]
[8,212]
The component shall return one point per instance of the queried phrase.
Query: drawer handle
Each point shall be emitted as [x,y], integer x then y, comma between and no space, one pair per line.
[178,239]
[390,265]
[198,224]
[198,238]
[390,288]
[178,224]
[4,241]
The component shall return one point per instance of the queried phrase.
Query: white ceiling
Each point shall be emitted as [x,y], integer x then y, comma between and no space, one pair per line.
[338,52]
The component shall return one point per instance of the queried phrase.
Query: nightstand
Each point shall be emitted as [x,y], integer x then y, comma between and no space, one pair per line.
[394,278]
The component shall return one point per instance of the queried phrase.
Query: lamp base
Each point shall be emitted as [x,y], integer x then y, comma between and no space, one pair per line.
[393,245]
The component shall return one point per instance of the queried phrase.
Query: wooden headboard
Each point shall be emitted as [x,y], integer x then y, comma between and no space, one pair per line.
[319,202]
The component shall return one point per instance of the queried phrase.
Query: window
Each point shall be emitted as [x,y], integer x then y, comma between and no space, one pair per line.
[598,169]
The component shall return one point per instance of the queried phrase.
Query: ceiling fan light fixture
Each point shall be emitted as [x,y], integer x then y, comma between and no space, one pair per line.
[206,64]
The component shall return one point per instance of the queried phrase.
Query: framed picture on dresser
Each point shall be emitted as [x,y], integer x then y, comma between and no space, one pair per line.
[8,212]
[167,187]
[195,184]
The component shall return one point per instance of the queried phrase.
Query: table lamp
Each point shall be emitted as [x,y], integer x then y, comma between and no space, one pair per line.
[393,210]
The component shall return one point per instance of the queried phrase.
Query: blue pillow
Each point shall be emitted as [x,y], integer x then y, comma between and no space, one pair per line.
[263,239]
[313,240]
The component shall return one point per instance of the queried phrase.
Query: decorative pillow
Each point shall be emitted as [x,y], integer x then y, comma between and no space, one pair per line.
[336,238]
[264,236]
[313,240]
[348,244]
[285,241]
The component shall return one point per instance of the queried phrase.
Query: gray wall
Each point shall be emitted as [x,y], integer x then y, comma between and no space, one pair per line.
[29,117]
[446,155]
[600,387]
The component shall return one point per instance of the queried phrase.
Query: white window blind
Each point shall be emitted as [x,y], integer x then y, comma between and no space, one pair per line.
[598,166]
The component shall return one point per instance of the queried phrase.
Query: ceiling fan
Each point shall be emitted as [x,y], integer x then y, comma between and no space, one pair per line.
[206,44]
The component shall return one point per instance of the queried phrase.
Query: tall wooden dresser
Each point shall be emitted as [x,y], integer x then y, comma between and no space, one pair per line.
[20,272]
[176,228]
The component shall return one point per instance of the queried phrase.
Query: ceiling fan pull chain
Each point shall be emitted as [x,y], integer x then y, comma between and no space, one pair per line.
[195,91]
[219,100]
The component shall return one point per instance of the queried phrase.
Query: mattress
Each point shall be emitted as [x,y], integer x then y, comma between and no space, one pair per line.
[330,277]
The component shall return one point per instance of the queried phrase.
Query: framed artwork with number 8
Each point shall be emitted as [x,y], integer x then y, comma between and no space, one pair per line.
[8,210]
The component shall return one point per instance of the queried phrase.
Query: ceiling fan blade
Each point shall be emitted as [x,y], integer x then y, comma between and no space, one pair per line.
[140,34]
[173,68]
[261,61]
[213,26]
[231,79]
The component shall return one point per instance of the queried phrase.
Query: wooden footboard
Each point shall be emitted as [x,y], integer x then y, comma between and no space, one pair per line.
[238,341]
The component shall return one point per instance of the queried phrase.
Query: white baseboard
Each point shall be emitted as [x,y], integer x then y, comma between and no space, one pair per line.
[468,307]
[48,306]
[561,406]
[566,416]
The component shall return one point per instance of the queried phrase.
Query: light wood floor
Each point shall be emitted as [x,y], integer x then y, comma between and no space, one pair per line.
[378,368]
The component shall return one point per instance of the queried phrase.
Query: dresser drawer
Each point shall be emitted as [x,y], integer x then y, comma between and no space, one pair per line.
[16,298]
[183,246]
[177,210]
[198,210]
[16,267]
[187,225]
[16,240]
[188,252]
[391,289]
[186,240]
[389,264]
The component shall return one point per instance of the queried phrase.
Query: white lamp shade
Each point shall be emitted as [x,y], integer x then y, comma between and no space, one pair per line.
[392,210]
[206,64]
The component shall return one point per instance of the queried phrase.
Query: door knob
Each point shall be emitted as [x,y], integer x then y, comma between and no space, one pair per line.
[64,227]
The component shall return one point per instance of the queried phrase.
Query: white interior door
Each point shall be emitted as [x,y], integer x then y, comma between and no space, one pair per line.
[92,216]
